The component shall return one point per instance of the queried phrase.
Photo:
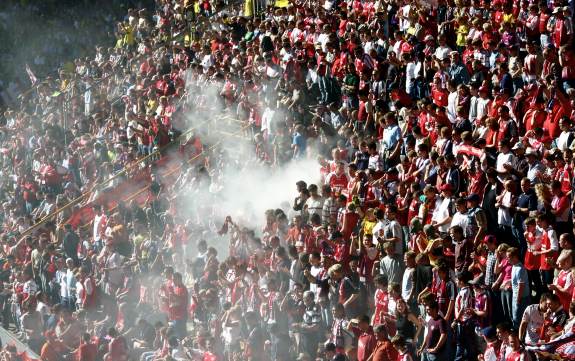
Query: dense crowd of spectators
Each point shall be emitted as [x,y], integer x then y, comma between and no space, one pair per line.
[441,226]
[47,34]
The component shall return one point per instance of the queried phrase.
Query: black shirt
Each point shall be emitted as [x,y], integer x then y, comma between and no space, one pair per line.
[70,245]
[525,200]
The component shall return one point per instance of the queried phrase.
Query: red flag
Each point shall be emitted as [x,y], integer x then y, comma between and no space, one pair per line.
[470,150]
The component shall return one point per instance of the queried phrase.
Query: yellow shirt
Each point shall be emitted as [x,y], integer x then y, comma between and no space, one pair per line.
[368,226]
[462,31]
[508,18]
[129,36]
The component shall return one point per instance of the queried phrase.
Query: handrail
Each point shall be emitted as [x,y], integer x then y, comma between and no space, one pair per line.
[8,338]
[212,147]
[145,188]
[131,165]
[104,182]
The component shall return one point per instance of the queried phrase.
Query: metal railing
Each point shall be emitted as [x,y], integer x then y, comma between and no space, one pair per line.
[130,166]
[127,167]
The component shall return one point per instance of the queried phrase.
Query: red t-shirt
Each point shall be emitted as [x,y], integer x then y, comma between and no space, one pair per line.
[178,303]
[87,352]
[366,342]
[381,305]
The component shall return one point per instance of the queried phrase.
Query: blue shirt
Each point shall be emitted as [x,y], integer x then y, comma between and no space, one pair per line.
[519,275]
[391,136]
[301,143]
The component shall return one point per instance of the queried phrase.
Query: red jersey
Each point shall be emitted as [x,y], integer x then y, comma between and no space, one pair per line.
[381,299]
[403,215]
[87,352]
[118,349]
[534,118]
[565,280]
[563,175]
[532,262]
[178,299]
[366,342]
[165,291]
[547,260]
[337,182]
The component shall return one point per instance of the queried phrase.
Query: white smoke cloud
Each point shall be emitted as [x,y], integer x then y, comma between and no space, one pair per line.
[247,194]
[240,187]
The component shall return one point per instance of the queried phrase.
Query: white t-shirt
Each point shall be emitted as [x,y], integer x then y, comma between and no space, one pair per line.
[562,143]
[314,205]
[407,283]
[115,275]
[504,159]
[315,271]
[267,118]
[482,105]
[452,100]
[503,214]
[97,220]
[323,39]
[441,212]
[409,76]
[61,278]
[442,52]
[405,23]
[460,219]
[79,291]
[30,288]
[43,309]
[534,319]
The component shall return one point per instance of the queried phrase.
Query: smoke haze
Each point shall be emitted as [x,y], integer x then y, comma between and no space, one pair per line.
[242,188]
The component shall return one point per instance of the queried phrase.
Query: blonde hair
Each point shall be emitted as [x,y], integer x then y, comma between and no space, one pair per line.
[503,247]
[543,192]
[333,269]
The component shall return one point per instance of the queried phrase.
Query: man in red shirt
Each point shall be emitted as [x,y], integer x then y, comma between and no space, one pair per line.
[87,350]
[165,289]
[366,340]
[384,350]
[337,179]
[178,305]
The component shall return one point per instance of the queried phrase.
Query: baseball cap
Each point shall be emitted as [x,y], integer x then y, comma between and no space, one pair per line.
[489,332]
[446,187]
[489,238]
[472,198]
[518,145]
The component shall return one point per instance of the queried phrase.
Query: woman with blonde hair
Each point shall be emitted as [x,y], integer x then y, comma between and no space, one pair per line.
[544,197]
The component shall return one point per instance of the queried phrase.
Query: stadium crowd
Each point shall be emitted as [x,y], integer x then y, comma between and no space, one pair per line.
[66,34]
[441,226]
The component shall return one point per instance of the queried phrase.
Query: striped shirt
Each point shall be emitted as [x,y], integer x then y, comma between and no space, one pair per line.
[329,211]
[464,303]
[490,275]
